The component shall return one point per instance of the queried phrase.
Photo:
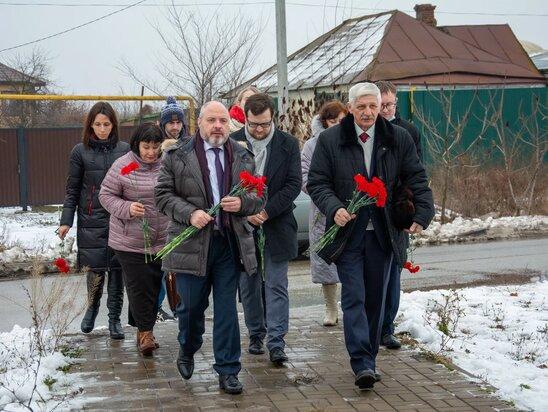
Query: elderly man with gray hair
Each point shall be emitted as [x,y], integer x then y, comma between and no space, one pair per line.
[364,248]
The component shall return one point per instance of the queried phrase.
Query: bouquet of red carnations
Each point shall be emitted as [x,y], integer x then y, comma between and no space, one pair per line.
[366,193]
[126,170]
[248,183]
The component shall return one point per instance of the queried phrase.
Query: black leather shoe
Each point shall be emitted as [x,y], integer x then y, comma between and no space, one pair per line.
[390,342]
[256,347]
[365,379]
[230,384]
[278,356]
[185,364]
[116,330]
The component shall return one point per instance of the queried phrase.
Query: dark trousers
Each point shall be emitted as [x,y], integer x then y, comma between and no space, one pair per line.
[363,271]
[222,275]
[143,281]
[392,304]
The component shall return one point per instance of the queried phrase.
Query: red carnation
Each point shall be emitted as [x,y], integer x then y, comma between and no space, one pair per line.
[381,191]
[131,167]
[411,267]
[251,182]
[374,189]
[62,265]
[237,113]
[361,183]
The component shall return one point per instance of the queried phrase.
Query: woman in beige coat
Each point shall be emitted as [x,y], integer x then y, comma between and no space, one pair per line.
[329,115]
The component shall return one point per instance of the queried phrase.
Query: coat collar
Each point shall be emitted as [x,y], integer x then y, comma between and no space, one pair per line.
[187,154]
[384,131]
[278,154]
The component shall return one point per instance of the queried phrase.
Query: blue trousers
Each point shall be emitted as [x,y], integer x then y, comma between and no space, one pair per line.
[276,299]
[363,270]
[222,275]
[392,304]
[251,294]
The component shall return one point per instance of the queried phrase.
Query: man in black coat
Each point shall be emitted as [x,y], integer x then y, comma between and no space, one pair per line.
[389,104]
[277,157]
[367,242]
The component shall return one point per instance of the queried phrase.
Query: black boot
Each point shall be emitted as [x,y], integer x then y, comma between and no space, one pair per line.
[95,282]
[115,301]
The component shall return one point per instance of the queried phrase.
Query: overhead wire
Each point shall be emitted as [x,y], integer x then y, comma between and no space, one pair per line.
[246,3]
[72,28]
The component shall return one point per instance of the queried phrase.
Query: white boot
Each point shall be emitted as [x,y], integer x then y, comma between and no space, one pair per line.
[331,309]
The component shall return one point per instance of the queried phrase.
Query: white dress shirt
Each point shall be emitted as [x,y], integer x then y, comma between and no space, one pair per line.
[210,156]
[367,153]
[367,146]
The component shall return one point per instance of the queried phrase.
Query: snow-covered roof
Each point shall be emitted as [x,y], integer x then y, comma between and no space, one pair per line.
[397,47]
[540,60]
[334,58]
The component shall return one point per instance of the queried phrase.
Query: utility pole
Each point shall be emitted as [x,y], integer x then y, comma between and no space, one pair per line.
[281,48]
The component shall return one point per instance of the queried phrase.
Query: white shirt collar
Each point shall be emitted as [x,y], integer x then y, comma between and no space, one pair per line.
[370,132]
[207,146]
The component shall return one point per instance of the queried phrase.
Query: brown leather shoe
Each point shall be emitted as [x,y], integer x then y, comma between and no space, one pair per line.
[146,343]
[156,344]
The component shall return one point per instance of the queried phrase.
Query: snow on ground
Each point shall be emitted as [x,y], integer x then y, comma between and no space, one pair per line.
[26,378]
[28,234]
[460,226]
[24,235]
[501,336]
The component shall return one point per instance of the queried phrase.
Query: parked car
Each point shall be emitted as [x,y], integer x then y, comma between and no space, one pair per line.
[302,208]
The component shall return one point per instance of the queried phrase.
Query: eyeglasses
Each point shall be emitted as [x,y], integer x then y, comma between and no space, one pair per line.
[265,125]
[388,106]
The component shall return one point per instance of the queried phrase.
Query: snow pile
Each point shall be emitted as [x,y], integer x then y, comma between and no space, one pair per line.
[460,226]
[24,235]
[501,330]
[28,378]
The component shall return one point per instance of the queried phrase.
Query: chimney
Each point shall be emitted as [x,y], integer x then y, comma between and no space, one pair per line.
[425,14]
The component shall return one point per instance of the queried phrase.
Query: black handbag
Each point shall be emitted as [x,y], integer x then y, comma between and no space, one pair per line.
[403,208]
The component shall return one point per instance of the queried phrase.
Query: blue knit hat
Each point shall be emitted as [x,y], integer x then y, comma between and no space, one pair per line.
[172,111]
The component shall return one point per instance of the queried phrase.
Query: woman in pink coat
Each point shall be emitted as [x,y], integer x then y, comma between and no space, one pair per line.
[127,193]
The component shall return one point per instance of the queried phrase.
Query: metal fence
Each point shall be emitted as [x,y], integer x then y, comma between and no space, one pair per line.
[34,164]
[516,101]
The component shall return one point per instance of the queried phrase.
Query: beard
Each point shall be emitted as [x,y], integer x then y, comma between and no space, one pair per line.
[215,141]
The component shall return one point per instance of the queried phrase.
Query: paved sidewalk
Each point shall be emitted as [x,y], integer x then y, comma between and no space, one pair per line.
[318,377]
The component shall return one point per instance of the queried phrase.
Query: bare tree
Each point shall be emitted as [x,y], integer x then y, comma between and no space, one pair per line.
[446,137]
[204,55]
[522,147]
[25,74]
[31,74]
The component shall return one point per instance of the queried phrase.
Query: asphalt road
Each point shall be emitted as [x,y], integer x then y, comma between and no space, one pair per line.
[441,266]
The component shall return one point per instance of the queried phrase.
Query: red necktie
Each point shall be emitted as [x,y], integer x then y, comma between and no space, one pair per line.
[363,137]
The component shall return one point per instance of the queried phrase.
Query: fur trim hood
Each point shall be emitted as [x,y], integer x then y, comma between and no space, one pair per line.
[316,126]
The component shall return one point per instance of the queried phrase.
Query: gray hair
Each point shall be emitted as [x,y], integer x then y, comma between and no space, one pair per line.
[363,89]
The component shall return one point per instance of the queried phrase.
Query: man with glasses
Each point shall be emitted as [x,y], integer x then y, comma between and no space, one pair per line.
[389,103]
[277,157]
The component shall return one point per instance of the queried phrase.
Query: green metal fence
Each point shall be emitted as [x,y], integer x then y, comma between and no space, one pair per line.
[515,101]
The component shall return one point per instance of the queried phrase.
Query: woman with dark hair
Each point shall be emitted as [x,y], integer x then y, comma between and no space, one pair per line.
[330,114]
[127,193]
[89,162]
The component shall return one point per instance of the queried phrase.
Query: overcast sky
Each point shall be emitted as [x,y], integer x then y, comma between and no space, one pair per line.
[85,61]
